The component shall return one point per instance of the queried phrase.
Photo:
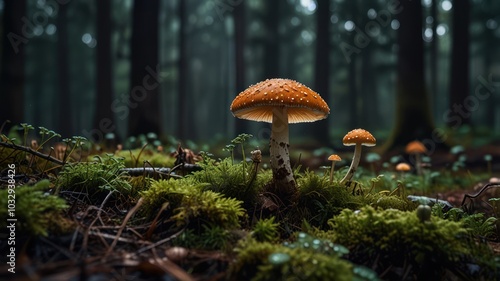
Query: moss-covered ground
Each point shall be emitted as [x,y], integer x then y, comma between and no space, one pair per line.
[83,213]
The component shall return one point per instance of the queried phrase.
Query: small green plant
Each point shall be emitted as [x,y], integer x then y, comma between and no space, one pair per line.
[266,230]
[37,212]
[46,135]
[477,224]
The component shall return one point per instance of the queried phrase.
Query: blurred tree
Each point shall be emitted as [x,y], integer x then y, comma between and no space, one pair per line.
[104,89]
[272,39]
[322,64]
[239,45]
[182,94]
[13,57]
[352,7]
[145,81]
[64,119]
[460,80]
[413,118]
[434,75]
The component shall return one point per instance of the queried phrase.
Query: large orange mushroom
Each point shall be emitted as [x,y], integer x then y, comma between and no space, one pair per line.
[280,102]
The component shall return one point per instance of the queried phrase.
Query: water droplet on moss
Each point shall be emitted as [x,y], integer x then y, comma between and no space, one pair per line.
[278,258]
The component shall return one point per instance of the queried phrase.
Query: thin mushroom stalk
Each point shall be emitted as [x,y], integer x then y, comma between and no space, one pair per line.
[331,172]
[278,147]
[354,164]
[357,137]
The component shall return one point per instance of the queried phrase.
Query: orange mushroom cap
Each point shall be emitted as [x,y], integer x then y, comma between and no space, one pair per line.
[359,136]
[403,167]
[257,102]
[334,157]
[415,147]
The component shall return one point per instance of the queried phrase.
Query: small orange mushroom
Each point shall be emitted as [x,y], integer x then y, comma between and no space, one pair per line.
[416,148]
[334,158]
[403,168]
[357,137]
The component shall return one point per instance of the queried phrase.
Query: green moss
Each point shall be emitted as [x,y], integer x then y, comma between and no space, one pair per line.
[318,200]
[238,180]
[136,158]
[94,179]
[385,201]
[266,230]
[398,239]
[210,237]
[192,205]
[267,261]
[37,212]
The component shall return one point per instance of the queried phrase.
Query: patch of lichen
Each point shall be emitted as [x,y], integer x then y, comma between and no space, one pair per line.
[398,240]
[37,212]
[253,262]
[94,179]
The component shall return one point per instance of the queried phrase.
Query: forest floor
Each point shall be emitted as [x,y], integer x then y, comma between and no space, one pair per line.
[102,248]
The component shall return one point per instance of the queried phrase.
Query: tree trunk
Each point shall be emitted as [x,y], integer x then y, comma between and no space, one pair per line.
[12,76]
[271,56]
[434,53]
[239,44]
[145,80]
[182,95]
[459,83]
[322,65]
[370,107]
[104,91]
[65,119]
[413,118]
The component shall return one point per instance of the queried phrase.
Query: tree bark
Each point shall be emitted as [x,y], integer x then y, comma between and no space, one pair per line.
[13,53]
[65,119]
[271,56]
[182,96]
[459,83]
[241,126]
[104,91]
[145,80]
[413,118]
[322,65]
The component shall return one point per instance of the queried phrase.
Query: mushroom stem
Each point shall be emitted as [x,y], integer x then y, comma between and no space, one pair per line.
[331,171]
[354,164]
[280,159]
[418,164]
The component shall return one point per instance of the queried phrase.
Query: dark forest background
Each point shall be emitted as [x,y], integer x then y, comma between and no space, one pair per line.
[403,70]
